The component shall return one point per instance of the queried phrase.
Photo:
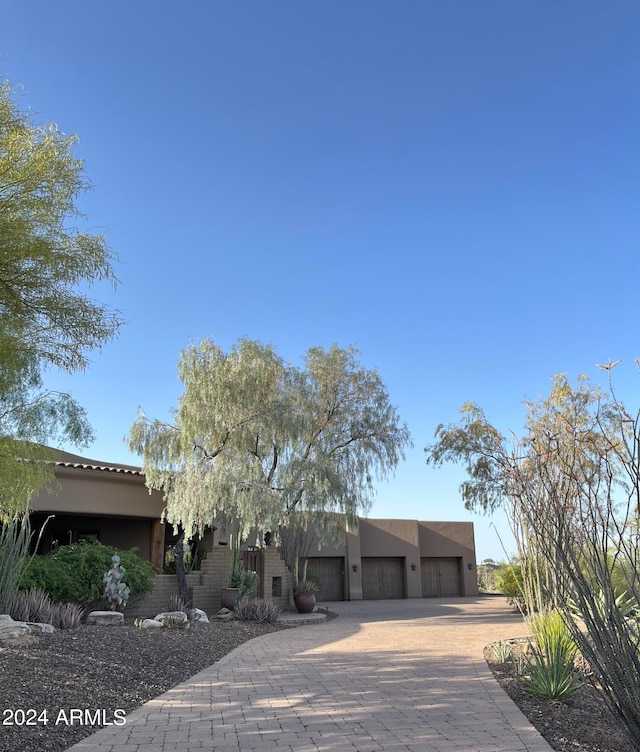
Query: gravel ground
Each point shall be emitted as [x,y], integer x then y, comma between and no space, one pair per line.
[108,669]
[100,669]
[581,724]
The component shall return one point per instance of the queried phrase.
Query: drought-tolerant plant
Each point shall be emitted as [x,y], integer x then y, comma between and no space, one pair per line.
[36,606]
[502,651]
[15,540]
[175,602]
[175,622]
[549,667]
[116,591]
[257,610]
[308,587]
[75,573]
[245,580]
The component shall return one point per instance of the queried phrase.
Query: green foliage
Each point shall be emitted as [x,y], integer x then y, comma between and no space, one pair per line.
[47,316]
[75,573]
[502,651]
[550,670]
[15,539]
[256,439]
[257,610]
[246,581]
[508,580]
[175,622]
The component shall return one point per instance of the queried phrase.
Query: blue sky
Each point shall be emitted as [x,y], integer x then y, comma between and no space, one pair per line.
[452,187]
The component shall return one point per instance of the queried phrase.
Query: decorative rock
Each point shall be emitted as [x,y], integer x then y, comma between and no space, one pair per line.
[224,615]
[5,617]
[197,614]
[13,631]
[177,615]
[150,624]
[35,626]
[105,618]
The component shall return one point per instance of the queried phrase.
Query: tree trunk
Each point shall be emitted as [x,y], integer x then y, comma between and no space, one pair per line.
[178,552]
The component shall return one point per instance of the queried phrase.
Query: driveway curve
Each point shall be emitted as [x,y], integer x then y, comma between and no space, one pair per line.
[386,676]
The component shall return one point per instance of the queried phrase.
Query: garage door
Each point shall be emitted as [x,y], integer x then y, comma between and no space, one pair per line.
[382,578]
[440,577]
[328,572]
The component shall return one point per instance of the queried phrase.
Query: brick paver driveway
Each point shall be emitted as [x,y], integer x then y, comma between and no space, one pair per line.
[386,676]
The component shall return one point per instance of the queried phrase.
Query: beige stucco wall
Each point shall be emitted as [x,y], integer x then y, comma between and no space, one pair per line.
[99,492]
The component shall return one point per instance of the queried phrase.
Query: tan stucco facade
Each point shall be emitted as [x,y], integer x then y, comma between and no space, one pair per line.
[377,558]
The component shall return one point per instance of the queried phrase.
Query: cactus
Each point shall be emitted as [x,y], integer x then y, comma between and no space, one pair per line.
[116,592]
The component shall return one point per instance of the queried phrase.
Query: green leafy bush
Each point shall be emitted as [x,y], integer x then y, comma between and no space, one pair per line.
[549,670]
[75,573]
[508,579]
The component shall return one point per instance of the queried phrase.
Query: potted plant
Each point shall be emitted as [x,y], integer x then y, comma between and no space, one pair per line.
[241,583]
[304,595]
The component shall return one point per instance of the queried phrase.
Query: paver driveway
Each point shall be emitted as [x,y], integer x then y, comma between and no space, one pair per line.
[386,675]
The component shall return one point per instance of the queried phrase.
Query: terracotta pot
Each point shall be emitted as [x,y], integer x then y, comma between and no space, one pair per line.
[305,602]
[229,597]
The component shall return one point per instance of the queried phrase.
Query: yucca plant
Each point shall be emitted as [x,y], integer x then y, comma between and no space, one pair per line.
[175,602]
[549,667]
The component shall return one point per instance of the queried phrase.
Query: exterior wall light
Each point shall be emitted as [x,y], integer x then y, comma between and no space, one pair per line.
[413,567]
[354,567]
[470,565]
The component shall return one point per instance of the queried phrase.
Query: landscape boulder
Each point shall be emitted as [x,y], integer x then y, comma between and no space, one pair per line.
[197,614]
[224,615]
[150,624]
[12,631]
[170,615]
[105,618]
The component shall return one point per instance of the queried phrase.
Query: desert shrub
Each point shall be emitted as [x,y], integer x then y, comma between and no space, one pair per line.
[36,606]
[75,573]
[256,609]
[549,668]
[245,580]
[508,579]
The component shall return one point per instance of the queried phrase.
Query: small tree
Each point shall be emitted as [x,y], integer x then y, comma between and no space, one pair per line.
[571,486]
[262,441]
[46,318]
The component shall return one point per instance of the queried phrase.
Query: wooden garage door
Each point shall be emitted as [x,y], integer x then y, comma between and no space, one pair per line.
[328,572]
[440,577]
[382,578]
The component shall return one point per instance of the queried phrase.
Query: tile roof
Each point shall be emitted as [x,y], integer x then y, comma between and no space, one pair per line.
[124,470]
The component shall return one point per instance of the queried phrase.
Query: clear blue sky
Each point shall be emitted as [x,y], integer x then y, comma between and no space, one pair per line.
[450,186]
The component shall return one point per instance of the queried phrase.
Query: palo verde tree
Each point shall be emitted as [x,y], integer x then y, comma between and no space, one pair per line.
[571,488]
[47,317]
[261,441]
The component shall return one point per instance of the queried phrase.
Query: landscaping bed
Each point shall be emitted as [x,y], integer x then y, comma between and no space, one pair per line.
[102,669]
[580,724]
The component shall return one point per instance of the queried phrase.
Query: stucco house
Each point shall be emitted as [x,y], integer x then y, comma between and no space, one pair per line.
[374,559]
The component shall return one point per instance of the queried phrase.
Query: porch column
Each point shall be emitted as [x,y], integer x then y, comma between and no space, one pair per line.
[156,547]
